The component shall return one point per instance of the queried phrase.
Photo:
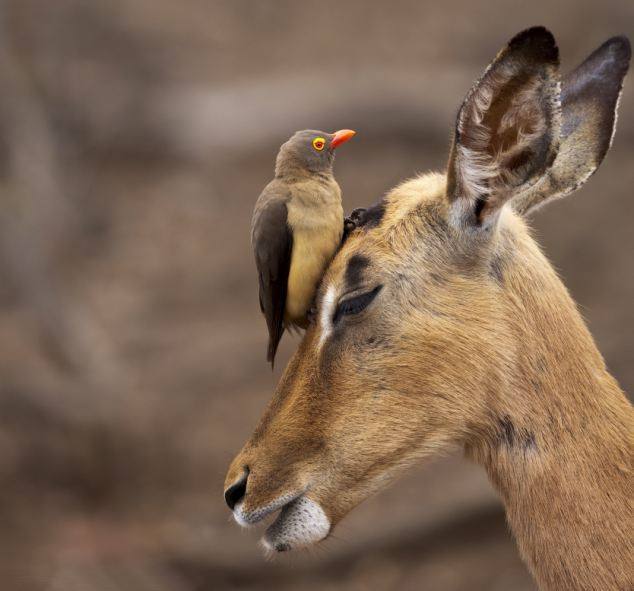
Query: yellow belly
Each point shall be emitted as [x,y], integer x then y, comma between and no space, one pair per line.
[315,216]
[312,252]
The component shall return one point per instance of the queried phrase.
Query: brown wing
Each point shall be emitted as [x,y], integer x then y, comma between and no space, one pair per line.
[272,242]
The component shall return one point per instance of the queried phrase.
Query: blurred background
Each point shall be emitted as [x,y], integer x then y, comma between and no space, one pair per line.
[135,136]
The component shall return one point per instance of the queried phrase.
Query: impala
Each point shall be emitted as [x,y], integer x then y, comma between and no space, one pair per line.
[441,323]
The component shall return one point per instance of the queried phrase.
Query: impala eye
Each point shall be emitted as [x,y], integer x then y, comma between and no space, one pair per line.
[319,143]
[356,304]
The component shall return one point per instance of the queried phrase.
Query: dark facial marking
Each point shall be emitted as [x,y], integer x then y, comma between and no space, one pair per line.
[354,271]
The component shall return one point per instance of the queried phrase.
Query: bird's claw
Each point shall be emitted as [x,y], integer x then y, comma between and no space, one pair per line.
[353,221]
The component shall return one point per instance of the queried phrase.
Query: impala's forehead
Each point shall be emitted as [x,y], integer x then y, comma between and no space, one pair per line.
[389,232]
[352,269]
[390,228]
[413,197]
[354,262]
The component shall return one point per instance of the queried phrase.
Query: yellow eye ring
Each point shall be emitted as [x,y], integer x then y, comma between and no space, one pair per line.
[319,143]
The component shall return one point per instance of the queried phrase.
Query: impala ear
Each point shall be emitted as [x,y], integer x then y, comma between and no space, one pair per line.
[507,130]
[590,99]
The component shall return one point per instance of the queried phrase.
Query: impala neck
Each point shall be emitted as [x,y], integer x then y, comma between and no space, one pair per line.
[565,489]
[558,447]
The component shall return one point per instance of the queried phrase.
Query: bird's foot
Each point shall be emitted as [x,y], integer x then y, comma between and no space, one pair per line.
[352,222]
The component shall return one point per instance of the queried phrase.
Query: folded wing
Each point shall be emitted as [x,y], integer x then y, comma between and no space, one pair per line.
[272,243]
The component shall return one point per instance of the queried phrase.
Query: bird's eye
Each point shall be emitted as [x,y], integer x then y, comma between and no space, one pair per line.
[319,143]
[356,304]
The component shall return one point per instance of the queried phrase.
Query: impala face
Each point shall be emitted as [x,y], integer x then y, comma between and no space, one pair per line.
[353,407]
[421,315]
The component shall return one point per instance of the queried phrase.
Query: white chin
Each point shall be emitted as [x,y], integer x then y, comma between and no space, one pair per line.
[239,518]
[300,523]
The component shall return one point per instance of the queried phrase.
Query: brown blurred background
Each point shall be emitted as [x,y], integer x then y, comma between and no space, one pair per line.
[135,136]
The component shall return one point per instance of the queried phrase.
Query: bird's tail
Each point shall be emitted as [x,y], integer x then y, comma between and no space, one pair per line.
[274,341]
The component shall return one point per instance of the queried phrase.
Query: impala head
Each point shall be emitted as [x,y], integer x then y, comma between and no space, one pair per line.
[421,313]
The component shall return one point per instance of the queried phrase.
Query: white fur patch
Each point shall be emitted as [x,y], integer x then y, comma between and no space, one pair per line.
[476,171]
[246,518]
[327,311]
[238,516]
[299,524]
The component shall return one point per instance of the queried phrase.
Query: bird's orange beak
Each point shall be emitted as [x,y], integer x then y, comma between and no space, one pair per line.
[341,136]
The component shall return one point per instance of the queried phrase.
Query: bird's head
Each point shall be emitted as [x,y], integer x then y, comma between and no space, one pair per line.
[311,151]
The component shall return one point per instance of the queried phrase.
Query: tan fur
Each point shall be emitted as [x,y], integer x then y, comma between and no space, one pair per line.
[472,341]
[316,222]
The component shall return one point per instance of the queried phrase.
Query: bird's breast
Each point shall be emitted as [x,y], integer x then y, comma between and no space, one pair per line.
[317,229]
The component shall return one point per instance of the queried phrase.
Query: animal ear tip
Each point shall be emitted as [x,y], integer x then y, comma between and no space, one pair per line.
[621,46]
[536,32]
[619,41]
[538,41]
[610,62]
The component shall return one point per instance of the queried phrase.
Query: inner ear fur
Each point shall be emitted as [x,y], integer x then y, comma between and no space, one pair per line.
[590,99]
[507,130]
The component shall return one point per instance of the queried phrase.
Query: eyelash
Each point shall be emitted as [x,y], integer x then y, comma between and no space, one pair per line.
[355,305]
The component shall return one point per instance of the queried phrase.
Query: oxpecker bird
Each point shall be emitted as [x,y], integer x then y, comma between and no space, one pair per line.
[296,230]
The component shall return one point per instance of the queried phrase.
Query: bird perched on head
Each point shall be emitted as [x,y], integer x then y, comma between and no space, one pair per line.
[297,228]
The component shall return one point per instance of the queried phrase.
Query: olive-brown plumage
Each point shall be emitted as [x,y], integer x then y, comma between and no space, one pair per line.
[296,229]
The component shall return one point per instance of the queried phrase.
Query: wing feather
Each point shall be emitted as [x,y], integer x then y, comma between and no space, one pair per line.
[272,242]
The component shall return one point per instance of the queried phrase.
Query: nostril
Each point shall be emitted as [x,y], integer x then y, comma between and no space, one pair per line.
[235,493]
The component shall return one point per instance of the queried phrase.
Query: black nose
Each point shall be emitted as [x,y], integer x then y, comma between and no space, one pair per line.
[235,493]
